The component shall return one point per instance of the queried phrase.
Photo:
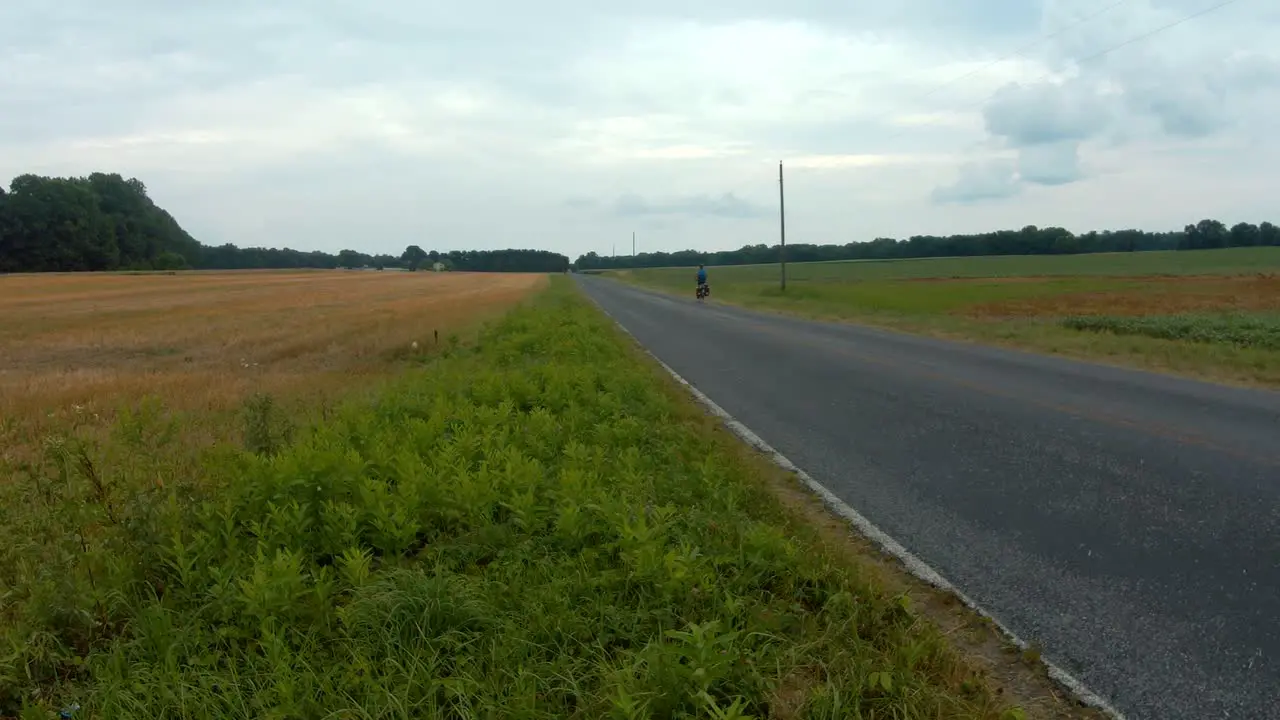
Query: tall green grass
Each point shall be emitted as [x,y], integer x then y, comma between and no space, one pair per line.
[533,527]
[1246,330]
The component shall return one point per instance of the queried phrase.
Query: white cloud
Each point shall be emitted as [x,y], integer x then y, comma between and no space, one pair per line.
[497,123]
[1056,163]
[981,181]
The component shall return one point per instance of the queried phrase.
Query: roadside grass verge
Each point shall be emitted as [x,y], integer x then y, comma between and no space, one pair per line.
[530,527]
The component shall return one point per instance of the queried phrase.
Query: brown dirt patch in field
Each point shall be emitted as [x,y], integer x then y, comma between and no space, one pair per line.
[206,341]
[1017,280]
[1152,296]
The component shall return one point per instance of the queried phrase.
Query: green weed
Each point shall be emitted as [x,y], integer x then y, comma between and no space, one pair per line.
[266,429]
[1246,330]
[532,527]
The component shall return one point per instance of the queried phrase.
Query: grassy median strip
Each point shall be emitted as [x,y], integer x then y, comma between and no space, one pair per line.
[532,527]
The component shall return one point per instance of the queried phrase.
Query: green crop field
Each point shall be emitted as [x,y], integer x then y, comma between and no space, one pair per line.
[534,525]
[1230,261]
[1243,330]
[1034,302]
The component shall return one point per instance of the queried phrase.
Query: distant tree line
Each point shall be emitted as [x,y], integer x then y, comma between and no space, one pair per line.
[105,222]
[1030,240]
[230,257]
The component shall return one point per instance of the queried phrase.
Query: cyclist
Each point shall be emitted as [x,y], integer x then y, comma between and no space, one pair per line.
[702,276]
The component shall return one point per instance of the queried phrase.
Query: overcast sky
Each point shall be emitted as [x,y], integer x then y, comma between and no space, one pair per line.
[568,124]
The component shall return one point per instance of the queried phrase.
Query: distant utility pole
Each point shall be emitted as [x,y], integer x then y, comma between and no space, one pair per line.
[782,227]
[633,243]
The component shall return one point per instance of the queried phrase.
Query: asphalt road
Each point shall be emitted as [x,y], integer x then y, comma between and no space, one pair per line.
[1127,521]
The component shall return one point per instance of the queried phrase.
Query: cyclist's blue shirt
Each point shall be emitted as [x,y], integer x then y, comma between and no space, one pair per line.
[702,276]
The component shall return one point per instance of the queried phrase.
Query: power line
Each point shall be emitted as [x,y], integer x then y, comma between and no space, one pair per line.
[1160,29]
[1101,53]
[1024,48]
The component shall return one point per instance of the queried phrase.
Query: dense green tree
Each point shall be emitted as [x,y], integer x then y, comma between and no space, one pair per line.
[413,257]
[504,261]
[1268,234]
[56,224]
[352,259]
[169,260]
[102,222]
[1245,235]
[105,222]
[1206,235]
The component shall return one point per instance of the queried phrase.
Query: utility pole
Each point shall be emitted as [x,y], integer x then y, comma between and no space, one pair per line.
[633,243]
[782,227]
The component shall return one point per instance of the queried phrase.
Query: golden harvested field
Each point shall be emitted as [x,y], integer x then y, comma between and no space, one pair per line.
[82,344]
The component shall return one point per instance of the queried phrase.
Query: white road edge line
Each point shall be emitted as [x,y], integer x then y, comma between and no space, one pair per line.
[914,565]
